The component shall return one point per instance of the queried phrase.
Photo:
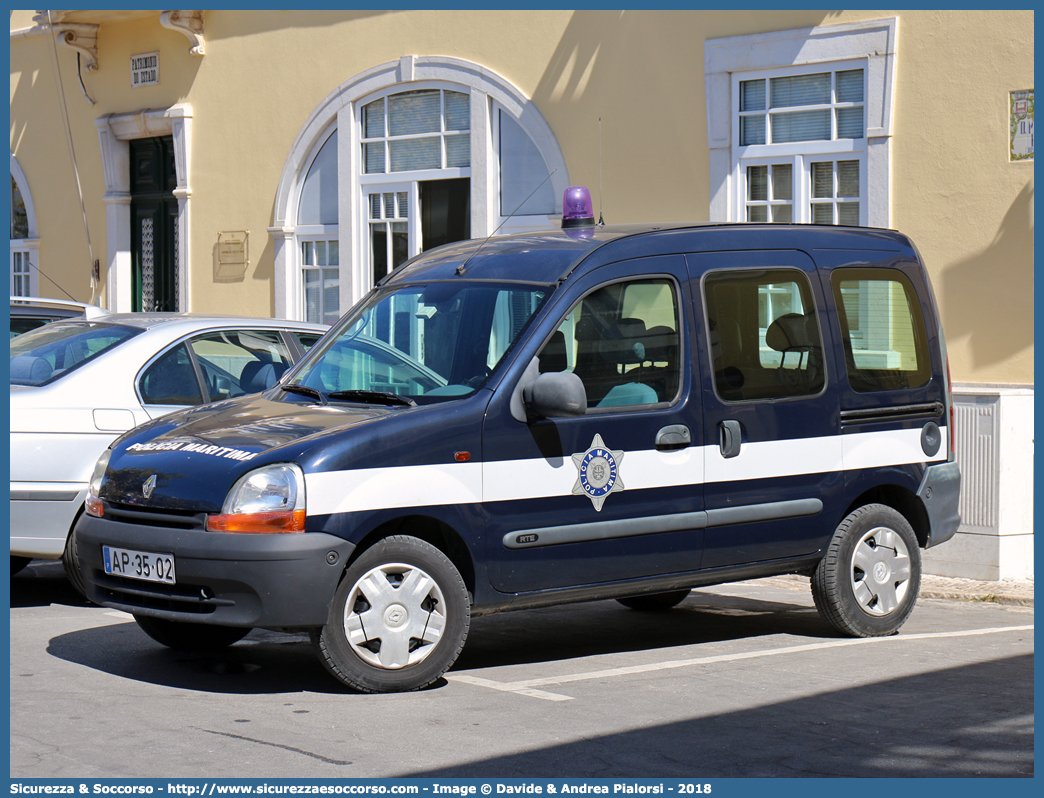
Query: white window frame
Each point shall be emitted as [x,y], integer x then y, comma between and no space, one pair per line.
[340,108]
[27,248]
[312,234]
[869,45]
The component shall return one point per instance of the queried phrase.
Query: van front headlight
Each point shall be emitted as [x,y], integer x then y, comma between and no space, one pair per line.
[93,505]
[267,500]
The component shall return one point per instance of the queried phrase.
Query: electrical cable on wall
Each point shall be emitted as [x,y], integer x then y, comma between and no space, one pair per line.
[72,155]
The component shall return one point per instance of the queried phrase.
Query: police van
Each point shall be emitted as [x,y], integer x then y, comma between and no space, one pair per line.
[592,412]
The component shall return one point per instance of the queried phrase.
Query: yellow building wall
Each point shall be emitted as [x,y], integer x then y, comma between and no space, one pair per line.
[641,73]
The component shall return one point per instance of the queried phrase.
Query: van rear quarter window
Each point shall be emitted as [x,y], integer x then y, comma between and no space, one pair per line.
[883,333]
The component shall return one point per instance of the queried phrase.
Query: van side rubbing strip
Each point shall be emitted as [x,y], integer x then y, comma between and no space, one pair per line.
[43,496]
[629,527]
[876,415]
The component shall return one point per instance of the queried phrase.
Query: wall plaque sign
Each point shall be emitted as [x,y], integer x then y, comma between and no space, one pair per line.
[144,69]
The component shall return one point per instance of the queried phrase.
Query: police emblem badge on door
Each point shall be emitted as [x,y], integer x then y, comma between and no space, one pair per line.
[598,472]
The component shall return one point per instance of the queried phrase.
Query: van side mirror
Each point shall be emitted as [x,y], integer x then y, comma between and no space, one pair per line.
[557,394]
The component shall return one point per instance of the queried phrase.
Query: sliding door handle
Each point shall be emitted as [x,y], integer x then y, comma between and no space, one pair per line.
[729,433]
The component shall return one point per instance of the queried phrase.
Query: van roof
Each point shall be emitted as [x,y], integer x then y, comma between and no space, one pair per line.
[547,257]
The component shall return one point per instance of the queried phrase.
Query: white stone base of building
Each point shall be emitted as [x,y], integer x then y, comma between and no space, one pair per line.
[995,452]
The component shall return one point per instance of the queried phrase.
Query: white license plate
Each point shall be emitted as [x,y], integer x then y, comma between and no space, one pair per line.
[148,566]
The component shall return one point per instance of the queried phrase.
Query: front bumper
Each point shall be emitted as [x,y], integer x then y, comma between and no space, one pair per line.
[225,579]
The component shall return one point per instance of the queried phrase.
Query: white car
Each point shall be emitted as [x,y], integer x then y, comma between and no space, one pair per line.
[78,384]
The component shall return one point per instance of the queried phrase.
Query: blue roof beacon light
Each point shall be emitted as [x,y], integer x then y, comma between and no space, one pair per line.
[577,210]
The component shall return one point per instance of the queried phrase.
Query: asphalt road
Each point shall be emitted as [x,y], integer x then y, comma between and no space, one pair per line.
[740,680]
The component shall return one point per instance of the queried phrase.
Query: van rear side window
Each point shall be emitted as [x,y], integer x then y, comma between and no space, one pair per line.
[886,348]
[764,335]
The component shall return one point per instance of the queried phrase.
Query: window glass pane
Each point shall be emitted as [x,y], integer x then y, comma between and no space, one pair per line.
[373,119]
[313,299]
[319,194]
[848,178]
[19,219]
[409,154]
[764,335]
[389,205]
[782,214]
[331,296]
[414,112]
[850,86]
[801,126]
[823,213]
[823,180]
[757,213]
[333,252]
[782,181]
[757,183]
[400,244]
[848,213]
[800,90]
[373,157]
[622,341]
[885,342]
[522,169]
[238,362]
[458,150]
[752,95]
[307,253]
[752,130]
[458,110]
[378,251]
[171,380]
[403,204]
[850,123]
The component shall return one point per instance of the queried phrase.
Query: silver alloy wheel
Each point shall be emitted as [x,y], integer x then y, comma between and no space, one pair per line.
[394,616]
[880,571]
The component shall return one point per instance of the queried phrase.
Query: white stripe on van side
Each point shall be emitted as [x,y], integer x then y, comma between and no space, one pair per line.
[364,489]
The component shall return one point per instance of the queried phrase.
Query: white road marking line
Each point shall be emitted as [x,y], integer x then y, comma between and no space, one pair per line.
[119,614]
[525,686]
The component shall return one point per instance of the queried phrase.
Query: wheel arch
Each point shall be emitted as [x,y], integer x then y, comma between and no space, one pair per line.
[900,499]
[431,530]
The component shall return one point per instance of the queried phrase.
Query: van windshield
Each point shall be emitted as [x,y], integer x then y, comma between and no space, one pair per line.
[419,344]
[47,353]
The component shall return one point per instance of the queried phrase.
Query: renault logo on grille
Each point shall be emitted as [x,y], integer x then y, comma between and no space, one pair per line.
[148,486]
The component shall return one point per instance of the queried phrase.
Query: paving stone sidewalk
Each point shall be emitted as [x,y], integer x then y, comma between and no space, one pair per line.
[1018,592]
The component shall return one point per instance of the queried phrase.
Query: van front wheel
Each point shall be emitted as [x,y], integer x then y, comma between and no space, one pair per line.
[867,583]
[398,620]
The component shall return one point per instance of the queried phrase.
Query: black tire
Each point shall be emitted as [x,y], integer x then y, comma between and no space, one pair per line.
[183,636]
[71,564]
[18,563]
[655,602]
[379,640]
[867,583]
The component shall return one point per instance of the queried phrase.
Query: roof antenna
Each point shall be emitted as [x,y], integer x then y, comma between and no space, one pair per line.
[464,265]
[600,222]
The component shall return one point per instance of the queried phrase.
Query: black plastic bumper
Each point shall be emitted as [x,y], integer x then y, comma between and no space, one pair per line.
[940,492]
[227,579]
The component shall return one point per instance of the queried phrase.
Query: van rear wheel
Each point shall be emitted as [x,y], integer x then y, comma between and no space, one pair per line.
[867,583]
[398,620]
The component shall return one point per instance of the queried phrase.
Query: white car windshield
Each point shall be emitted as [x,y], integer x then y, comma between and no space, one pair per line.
[419,344]
[46,353]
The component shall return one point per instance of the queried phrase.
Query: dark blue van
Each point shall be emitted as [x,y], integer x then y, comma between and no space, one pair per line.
[593,412]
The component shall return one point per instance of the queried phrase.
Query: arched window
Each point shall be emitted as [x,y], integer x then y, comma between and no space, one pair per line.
[401,158]
[318,242]
[25,246]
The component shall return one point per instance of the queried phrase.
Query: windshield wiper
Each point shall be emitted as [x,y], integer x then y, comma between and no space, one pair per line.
[374,398]
[304,390]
